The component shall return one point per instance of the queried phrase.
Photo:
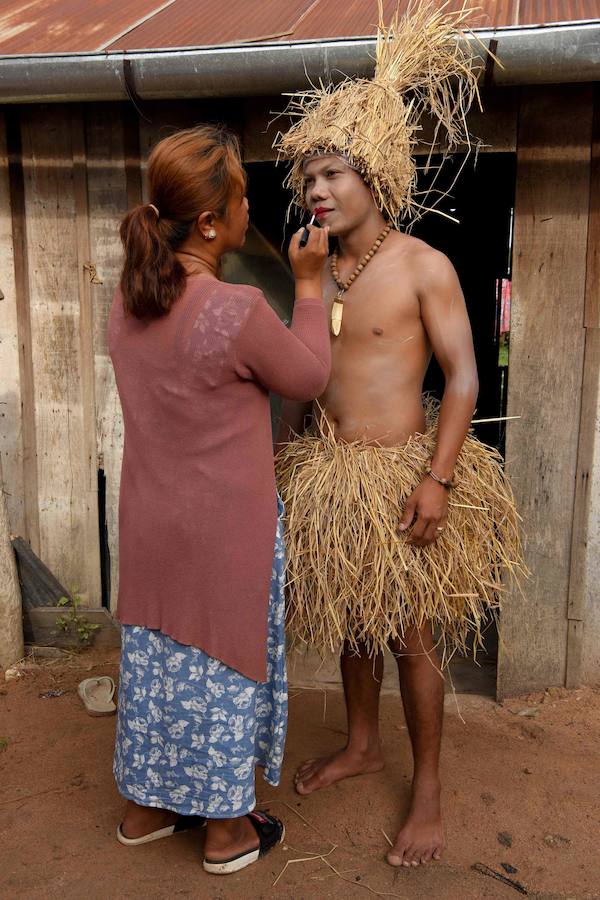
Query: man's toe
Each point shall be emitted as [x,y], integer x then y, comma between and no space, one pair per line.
[398,855]
[308,784]
[304,769]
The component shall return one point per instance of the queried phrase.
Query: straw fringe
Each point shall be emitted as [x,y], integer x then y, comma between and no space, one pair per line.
[352,576]
[422,67]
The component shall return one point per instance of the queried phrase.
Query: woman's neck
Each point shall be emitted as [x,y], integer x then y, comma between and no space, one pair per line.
[197,263]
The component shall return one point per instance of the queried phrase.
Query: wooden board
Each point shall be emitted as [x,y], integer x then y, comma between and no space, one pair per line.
[11,436]
[592,290]
[584,635]
[587,483]
[545,373]
[27,442]
[112,175]
[62,366]
[41,628]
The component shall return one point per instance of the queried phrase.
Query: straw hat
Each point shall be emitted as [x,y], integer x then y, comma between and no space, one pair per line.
[423,66]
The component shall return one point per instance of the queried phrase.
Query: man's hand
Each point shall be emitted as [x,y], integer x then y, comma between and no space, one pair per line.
[428,507]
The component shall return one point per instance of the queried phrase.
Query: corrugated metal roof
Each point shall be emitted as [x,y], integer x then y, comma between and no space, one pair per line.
[187,23]
[358,18]
[66,26]
[70,26]
[533,12]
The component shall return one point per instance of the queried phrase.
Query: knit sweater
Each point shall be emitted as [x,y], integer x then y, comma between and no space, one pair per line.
[198,510]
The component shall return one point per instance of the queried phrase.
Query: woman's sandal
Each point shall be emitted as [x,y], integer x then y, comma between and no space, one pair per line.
[183,823]
[97,695]
[270,832]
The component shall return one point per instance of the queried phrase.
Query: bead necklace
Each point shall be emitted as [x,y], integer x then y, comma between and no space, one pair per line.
[337,309]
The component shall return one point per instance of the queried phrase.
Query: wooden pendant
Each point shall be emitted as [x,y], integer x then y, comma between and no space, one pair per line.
[337,311]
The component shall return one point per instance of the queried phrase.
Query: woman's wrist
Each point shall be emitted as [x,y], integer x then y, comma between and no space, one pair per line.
[308,287]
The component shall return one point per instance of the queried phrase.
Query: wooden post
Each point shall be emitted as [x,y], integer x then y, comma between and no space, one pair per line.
[545,373]
[583,652]
[11,617]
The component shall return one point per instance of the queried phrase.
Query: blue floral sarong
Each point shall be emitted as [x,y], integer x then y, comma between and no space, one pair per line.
[190,730]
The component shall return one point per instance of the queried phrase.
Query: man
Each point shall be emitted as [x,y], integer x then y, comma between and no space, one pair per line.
[376,553]
[406,304]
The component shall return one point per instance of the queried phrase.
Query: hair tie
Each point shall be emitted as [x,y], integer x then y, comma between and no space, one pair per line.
[152,206]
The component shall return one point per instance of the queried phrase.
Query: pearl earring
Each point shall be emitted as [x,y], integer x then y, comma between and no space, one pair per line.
[211,235]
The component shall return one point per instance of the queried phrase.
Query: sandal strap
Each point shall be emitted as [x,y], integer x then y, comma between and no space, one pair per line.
[185,823]
[268,828]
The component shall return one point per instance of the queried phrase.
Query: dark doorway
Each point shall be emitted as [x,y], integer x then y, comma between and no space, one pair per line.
[480,249]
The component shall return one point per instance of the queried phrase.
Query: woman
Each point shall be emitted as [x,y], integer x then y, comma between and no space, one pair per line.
[203,685]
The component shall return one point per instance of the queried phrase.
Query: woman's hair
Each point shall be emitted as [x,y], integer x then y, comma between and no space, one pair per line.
[189,172]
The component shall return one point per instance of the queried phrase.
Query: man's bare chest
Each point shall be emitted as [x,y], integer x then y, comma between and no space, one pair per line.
[374,309]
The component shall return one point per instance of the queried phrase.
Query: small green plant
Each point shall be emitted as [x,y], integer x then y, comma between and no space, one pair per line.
[73,621]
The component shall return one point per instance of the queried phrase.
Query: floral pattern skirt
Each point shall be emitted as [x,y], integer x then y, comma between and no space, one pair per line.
[190,730]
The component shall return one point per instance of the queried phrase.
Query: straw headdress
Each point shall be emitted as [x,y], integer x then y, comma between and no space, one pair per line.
[423,65]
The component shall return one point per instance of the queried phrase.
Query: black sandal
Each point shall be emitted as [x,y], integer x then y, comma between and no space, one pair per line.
[270,832]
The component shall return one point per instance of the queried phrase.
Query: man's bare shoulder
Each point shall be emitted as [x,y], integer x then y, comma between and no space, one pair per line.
[429,268]
[411,250]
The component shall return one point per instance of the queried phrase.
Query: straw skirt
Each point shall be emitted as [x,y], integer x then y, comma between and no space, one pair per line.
[353,577]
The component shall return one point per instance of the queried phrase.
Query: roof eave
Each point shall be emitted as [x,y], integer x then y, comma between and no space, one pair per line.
[541,55]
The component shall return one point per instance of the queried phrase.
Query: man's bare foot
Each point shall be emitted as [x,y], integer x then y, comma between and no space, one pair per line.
[421,838]
[315,774]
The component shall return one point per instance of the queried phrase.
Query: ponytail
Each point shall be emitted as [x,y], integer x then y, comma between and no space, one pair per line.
[152,277]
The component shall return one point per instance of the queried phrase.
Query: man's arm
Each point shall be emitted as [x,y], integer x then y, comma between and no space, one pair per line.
[446,323]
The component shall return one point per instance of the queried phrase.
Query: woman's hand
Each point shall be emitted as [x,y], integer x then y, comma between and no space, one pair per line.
[307,262]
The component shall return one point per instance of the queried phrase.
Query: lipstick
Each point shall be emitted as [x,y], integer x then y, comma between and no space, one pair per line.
[306,233]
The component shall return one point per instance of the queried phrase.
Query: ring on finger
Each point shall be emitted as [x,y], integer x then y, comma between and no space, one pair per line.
[440,528]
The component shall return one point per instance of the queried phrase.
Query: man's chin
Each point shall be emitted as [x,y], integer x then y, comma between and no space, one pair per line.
[333,223]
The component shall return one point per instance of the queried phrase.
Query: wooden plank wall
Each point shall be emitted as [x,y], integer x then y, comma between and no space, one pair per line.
[584,613]
[11,434]
[109,148]
[75,170]
[57,245]
[545,373]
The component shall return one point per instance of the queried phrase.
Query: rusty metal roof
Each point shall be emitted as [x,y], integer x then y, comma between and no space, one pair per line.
[70,26]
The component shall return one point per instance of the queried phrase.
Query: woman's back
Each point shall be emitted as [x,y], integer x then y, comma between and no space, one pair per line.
[198,503]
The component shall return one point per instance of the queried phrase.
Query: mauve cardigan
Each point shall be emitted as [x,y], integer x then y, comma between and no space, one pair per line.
[198,510]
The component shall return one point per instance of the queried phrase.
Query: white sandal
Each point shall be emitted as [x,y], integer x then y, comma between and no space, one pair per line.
[183,823]
[97,695]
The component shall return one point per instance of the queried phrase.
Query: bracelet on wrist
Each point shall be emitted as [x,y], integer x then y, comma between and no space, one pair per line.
[448,483]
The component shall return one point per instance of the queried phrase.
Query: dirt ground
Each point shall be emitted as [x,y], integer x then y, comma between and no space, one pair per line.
[522,798]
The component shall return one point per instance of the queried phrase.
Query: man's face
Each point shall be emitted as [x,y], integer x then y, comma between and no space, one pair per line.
[336,194]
